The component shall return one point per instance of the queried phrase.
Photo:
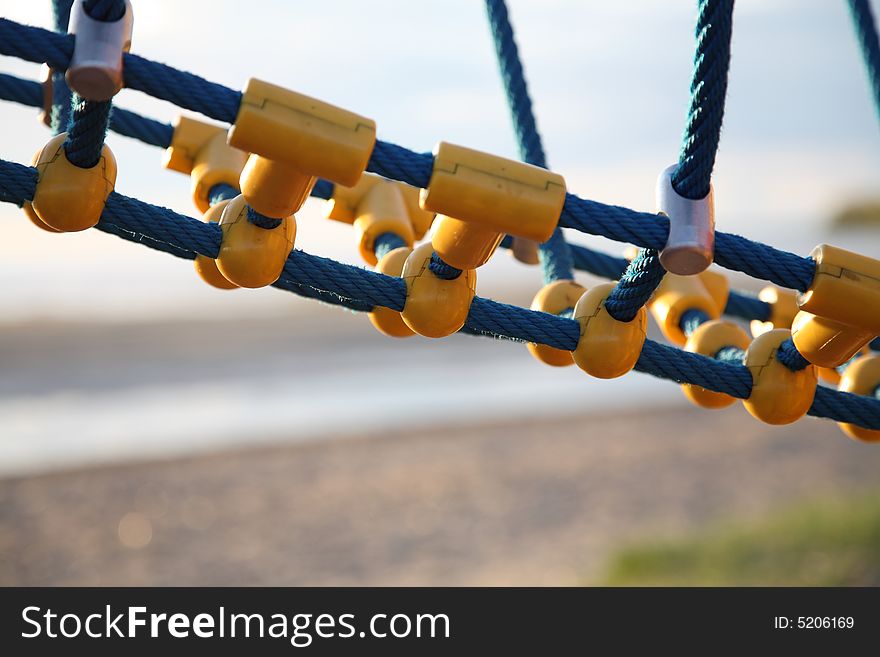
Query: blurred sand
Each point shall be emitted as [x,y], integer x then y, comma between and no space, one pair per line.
[526,504]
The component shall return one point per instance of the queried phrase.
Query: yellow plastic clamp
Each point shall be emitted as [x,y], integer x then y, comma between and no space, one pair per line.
[779,396]
[607,347]
[35,220]
[69,198]
[717,286]
[678,294]
[200,150]
[385,320]
[310,135]
[464,245]
[435,307]
[251,256]
[710,338]
[826,342]
[554,298]
[382,210]
[275,189]
[861,378]
[343,205]
[846,288]
[832,375]
[783,308]
[497,193]
[205,267]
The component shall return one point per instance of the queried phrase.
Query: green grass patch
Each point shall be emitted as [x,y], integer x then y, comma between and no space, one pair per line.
[819,544]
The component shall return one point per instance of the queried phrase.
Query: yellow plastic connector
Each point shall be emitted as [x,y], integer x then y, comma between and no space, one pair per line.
[678,294]
[710,338]
[200,150]
[464,245]
[69,198]
[846,288]
[343,206]
[251,256]
[554,298]
[275,189]
[497,193]
[385,320]
[779,396]
[783,308]
[435,307]
[826,342]
[861,378]
[35,220]
[310,135]
[607,347]
[382,210]
[717,286]
[205,267]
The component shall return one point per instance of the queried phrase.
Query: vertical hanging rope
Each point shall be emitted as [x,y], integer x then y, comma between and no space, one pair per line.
[60,116]
[699,146]
[708,91]
[555,256]
[89,119]
[866,31]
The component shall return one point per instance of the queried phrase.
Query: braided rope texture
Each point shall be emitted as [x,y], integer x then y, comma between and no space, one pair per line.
[635,287]
[869,41]
[708,90]
[361,289]
[159,134]
[398,163]
[554,254]
[89,120]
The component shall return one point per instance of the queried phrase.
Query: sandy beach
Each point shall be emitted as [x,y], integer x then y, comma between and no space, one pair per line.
[503,503]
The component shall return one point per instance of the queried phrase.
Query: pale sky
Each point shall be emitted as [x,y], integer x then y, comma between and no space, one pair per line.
[610,84]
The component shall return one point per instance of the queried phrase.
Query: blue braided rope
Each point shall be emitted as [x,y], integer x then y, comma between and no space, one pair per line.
[221,192]
[733,355]
[635,287]
[866,31]
[708,90]
[141,128]
[554,254]
[442,269]
[192,92]
[123,122]
[137,220]
[19,90]
[59,117]
[650,230]
[261,220]
[323,189]
[61,14]
[788,355]
[691,320]
[89,119]
[747,307]
[105,11]
[159,134]
[387,242]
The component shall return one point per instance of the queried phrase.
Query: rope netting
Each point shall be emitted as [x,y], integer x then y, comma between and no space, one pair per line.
[364,290]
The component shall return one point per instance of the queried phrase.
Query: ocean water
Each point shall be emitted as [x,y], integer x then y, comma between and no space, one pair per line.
[159,391]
